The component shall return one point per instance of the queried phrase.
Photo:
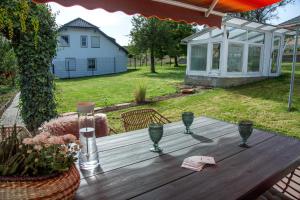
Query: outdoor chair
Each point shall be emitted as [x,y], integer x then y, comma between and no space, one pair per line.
[286,189]
[139,119]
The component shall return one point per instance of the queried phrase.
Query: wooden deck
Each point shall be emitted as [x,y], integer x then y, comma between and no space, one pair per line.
[130,171]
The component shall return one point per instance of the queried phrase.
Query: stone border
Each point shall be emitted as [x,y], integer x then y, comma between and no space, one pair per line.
[8,103]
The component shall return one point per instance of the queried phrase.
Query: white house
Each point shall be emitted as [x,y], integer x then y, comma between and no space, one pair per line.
[84,50]
[240,52]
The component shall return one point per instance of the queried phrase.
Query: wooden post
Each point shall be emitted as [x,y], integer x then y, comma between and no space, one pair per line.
[293,71]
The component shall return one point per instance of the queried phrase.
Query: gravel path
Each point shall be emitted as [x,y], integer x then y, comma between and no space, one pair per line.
[11,115]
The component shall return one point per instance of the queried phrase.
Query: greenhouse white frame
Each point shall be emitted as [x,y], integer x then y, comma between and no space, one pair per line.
[232,45]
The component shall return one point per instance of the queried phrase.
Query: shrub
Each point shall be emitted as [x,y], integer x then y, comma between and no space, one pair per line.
[140,94]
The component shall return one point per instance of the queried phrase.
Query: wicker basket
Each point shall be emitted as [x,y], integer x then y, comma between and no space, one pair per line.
[62,186]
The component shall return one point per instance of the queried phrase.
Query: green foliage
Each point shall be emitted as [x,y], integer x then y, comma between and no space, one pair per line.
[177,33]
[263,14]
[34,41]
[140,93]
[8,62]
[38,156]
[149,35]
[159,37]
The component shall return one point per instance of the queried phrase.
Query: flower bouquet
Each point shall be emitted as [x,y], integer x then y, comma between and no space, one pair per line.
[38,167]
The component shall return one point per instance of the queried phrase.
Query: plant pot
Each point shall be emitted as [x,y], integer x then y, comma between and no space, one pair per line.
[61,186]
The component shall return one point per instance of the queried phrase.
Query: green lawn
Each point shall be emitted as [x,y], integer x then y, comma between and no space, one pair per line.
[118,88]
[264,102]
[6,92]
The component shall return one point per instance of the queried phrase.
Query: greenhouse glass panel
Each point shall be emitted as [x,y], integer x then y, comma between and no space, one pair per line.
[236,34]
[254,56]
[199,57]
[256,37]
[235,57]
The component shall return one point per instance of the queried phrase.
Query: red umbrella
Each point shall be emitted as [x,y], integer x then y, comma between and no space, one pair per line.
[208,12]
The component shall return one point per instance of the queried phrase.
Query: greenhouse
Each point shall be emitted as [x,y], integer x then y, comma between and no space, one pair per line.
[239,52]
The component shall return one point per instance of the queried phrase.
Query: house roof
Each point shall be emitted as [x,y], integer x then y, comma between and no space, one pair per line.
[80,23]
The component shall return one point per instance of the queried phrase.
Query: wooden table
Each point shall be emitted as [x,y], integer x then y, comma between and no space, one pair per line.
[130,171]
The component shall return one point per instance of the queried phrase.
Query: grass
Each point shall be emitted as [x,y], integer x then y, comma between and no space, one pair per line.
[118,88]
[6,92]
[264,102]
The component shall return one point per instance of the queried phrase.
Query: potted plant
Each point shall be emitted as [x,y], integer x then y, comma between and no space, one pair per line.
[40,167]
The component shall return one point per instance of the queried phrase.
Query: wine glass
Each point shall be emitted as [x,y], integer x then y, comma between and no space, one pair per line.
[156,133]
[188,118]
[245,130]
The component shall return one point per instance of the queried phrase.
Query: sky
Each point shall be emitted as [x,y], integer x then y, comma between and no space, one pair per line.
[118,24]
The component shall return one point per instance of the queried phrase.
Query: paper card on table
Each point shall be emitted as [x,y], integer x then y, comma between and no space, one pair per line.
[195,168]
[200,159]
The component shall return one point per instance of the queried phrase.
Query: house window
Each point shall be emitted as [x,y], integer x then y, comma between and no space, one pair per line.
[91,64]
[70,64]
[254,55]
[64,41]
[83,41]
[216,56]
[95,42]
[235,57]
[199,57]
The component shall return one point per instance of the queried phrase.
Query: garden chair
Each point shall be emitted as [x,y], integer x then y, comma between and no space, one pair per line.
[286,189]
[139,119]
[6,131]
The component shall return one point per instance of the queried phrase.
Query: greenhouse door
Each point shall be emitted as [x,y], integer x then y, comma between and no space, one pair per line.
[216,52]
[275,54]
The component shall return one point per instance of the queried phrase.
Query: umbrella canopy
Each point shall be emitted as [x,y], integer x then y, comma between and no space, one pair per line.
[208,12]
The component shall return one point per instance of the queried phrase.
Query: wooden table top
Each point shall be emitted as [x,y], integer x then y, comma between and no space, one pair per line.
[130,171]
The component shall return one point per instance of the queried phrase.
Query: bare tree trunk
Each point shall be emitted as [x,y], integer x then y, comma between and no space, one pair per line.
[176,61]
[152,61]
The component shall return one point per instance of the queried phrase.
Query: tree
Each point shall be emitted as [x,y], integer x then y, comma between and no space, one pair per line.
[8,62]
[32,30]
[263,14]
[178,32]
[149,35]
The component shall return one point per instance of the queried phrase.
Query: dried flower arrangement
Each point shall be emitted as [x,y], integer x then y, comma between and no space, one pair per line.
[41,155]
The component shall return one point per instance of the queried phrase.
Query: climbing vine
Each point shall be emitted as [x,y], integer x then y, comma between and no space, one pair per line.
[34,41]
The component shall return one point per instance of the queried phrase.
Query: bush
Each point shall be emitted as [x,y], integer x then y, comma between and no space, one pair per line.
[32,30]
[140,94]
[8,62]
